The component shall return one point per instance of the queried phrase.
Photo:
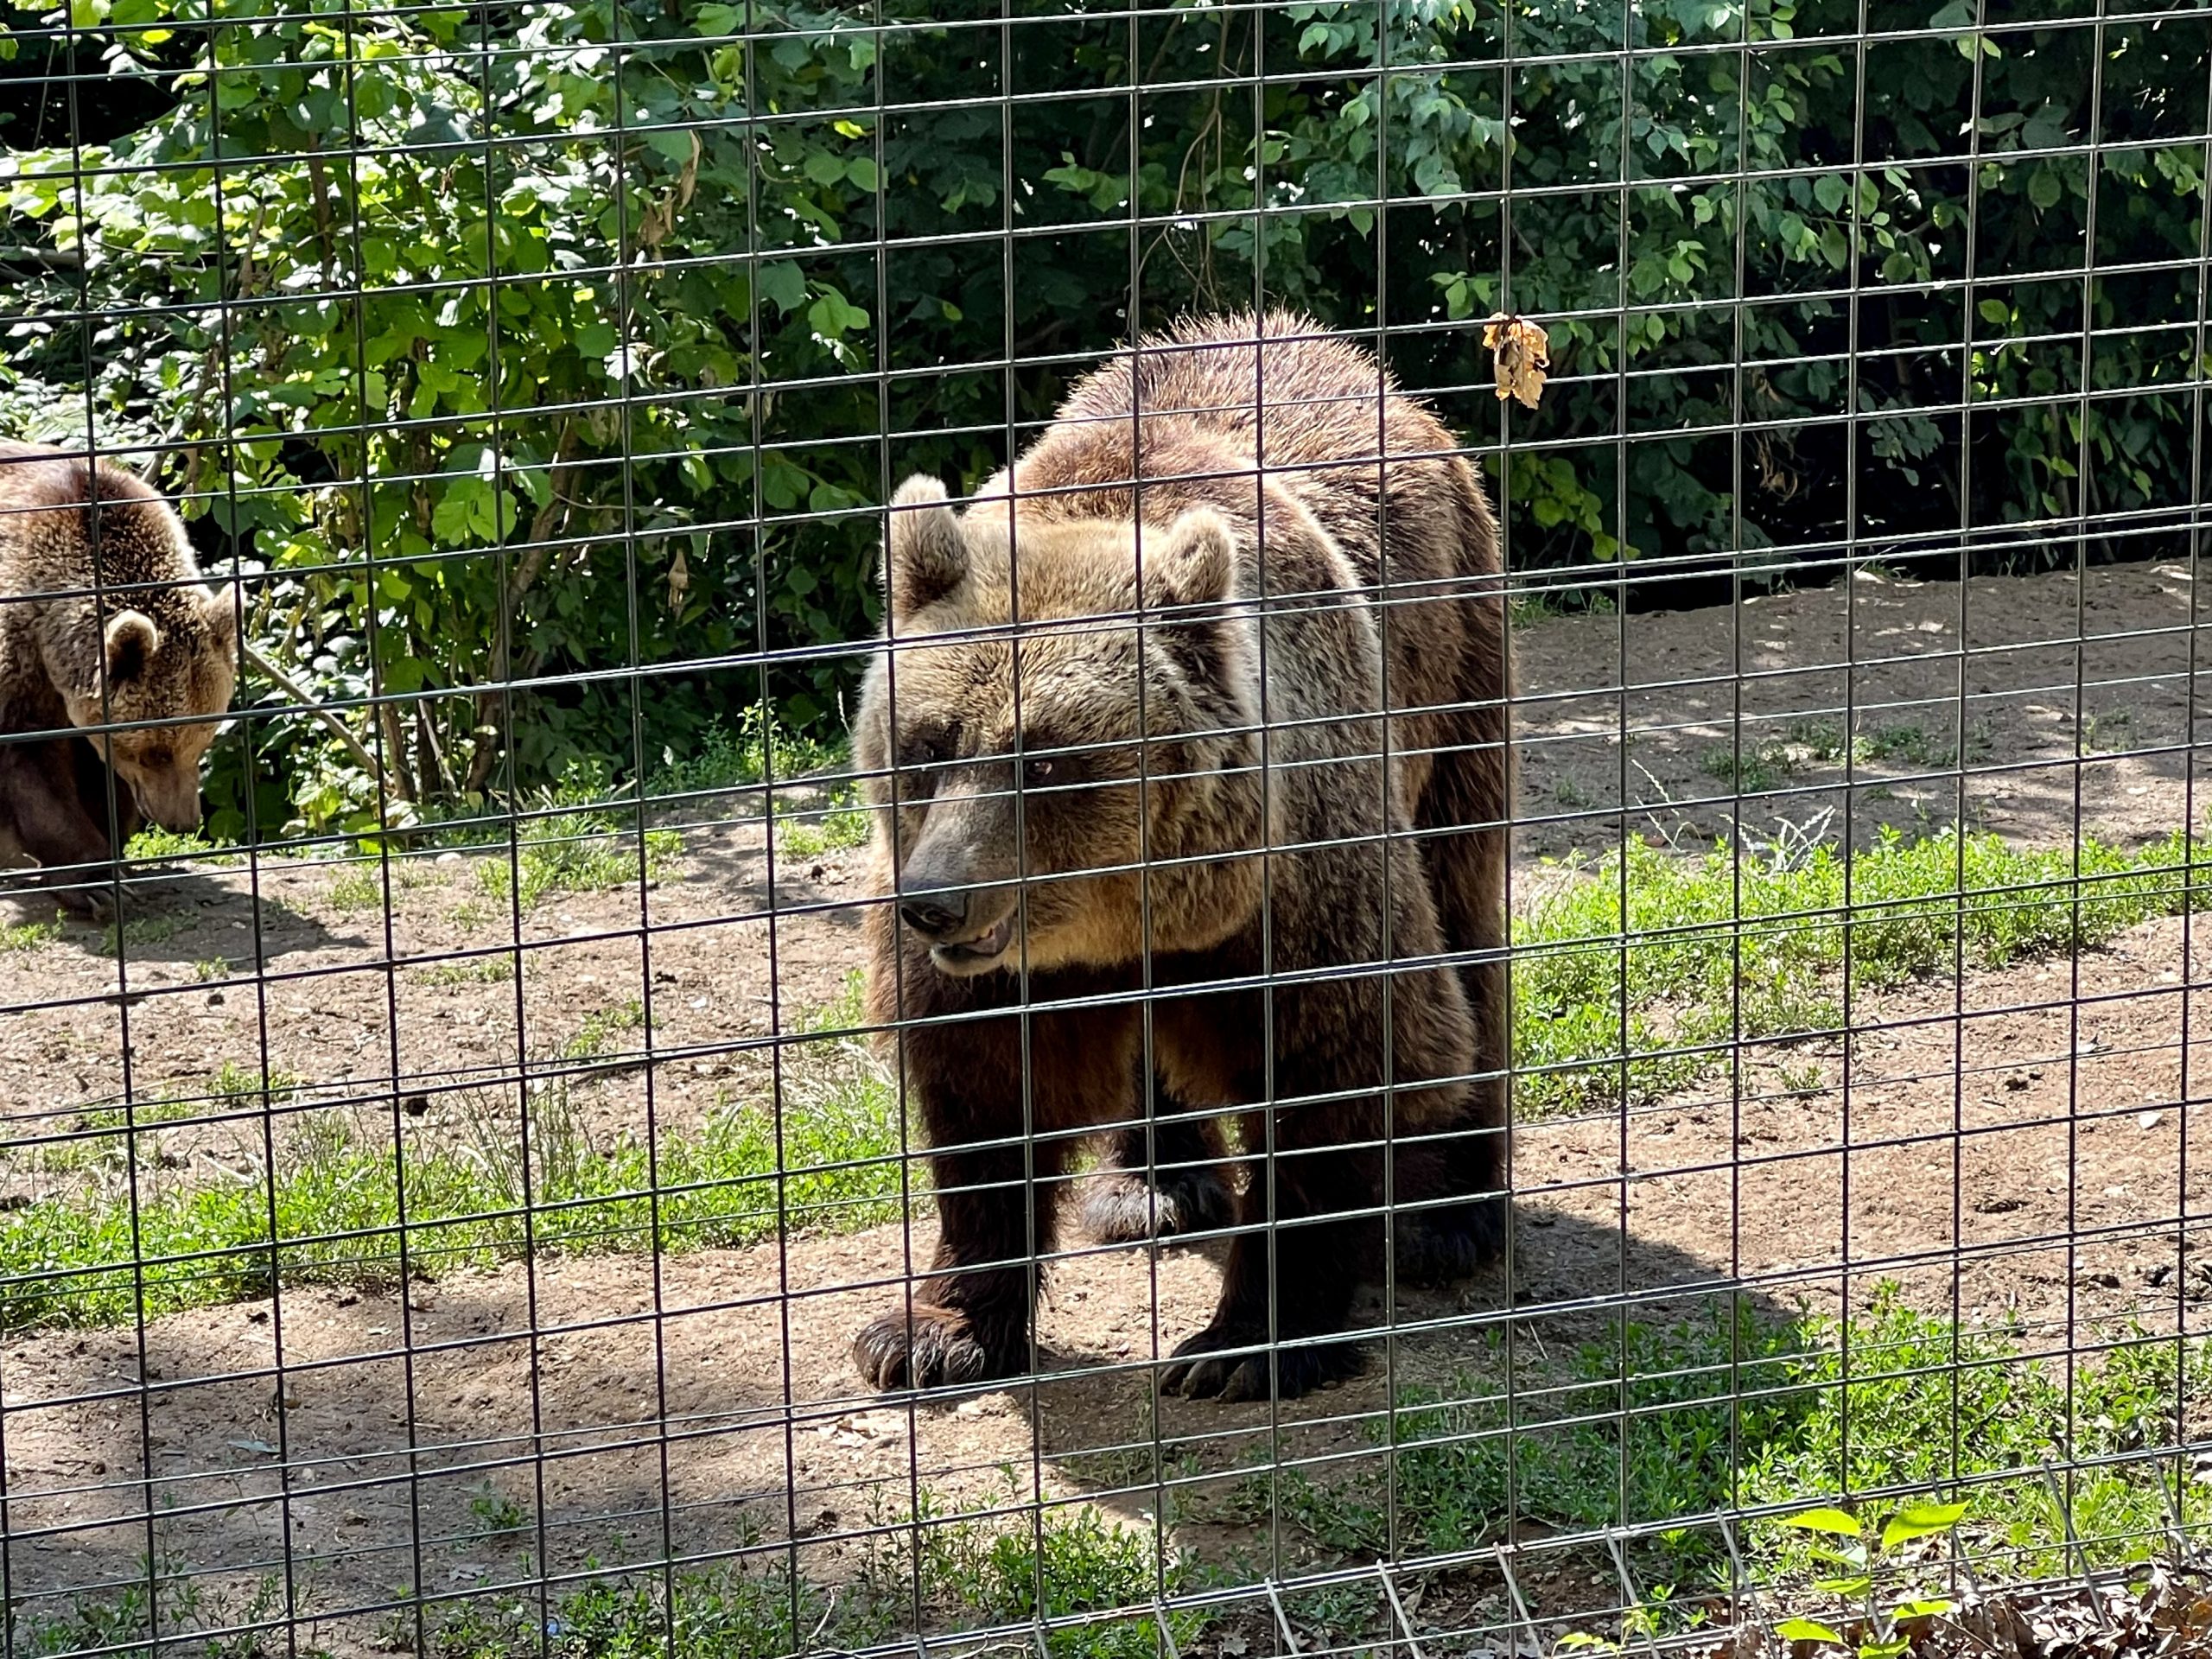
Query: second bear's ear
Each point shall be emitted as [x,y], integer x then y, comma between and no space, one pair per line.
[1192,563]
[131,640]
[924,557]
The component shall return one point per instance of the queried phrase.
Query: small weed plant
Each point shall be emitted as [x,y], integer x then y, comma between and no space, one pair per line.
[827,830]
[28,936]
[355,889]
[1074,1566]
[471,970]
[748,751]
[577,852]
[1881,1624]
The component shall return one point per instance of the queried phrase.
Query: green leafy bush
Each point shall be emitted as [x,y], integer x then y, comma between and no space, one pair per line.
[500,358]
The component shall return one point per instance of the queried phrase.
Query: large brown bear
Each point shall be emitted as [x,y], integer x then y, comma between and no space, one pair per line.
[105,621]
[1133,738]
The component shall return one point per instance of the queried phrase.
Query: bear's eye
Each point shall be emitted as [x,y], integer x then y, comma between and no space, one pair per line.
[921,749]
[1040,773]
[154,759]
[919,758]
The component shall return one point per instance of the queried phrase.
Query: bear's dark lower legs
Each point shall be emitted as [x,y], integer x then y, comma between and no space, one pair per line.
[1302,1267]
[1439,1242]
[969,1321]
[44,789]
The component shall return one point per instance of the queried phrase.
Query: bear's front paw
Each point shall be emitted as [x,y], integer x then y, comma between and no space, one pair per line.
[935,1348]
[1205,1369]
[1122,1208]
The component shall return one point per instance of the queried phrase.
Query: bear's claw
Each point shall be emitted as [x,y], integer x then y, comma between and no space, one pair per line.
[936,1348]
[1202,1370]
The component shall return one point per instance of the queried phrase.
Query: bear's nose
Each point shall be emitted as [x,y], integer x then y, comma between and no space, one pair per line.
[937,916]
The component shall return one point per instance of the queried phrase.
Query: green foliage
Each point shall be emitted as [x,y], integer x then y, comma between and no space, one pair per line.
[1638,977]
[990,1574]
[1861,1555]
[358,888]
[1077,1562]
[514,408]
[829,1160]
[28,935]
[165,1609]
[577,852]
[1729,1410]
[825,830]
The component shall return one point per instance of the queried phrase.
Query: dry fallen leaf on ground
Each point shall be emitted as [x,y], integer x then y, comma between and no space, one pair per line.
[1523,355]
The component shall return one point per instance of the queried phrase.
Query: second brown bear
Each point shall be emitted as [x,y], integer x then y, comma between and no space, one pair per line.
[1201,710]
[117,659]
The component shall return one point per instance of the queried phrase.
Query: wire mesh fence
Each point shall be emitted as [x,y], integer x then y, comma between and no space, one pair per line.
[855,970]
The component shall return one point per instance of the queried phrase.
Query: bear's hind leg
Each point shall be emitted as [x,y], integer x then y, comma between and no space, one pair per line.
[1300,1263]
[1303,1211]
[1468,797]
[1440,1243]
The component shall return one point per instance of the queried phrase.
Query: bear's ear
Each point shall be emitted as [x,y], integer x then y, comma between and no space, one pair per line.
[132,639]
[1193,563]
[924,557]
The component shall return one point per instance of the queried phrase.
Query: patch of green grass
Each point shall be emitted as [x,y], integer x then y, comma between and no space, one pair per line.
[156,845]
[1920,1403]
[167,1613]
[722,1612]
[577,852]
[1634,978]
[1753,772]
[2108,733]
[358,888]
[740,754]
[597,1033]
[830,829]
[976,1576]
[831,1160]
[997,1572]
[1909,744]
[98,1133]
[496,1515]
[1531,606]
[142,930]
[29,936]
[475,970]
[1753,768]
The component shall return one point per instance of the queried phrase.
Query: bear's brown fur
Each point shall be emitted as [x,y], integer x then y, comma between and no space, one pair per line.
[1291,588]
[104,622]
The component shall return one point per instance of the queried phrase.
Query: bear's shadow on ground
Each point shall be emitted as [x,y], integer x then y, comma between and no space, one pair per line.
[168,915]
[1574,1283]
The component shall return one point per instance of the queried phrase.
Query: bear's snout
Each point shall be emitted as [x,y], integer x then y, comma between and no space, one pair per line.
[937,915]
[968,928]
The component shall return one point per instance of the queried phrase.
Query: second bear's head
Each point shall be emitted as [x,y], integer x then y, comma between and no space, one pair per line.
[1062,726]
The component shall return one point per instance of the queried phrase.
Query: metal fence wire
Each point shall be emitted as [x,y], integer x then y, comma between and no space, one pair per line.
[631,999]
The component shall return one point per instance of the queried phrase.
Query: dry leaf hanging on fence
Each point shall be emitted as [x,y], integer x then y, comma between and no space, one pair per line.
[1524,354]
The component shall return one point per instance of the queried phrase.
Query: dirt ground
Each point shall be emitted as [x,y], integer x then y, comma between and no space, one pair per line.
[2019,1144]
